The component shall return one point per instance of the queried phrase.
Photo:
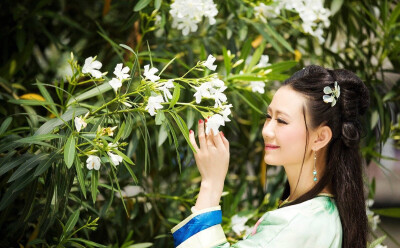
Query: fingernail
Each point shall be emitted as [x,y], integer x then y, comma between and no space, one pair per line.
[200,121]
[222,133]
[191,131]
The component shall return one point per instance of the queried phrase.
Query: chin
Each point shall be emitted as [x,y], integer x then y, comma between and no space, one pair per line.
[272,162]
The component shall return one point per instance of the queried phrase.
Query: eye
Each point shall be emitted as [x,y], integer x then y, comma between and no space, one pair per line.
[281,121]
[267,116]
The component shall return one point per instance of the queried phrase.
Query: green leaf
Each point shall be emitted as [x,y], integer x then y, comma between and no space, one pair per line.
[94,184]
[227,61]
[48,126]
[5,125]
[14,163]
[377,241]
[128,127]
[175,95]
[46,96]
[141,245]
[278,37]
[246,77]
[69,151]
[80,176]
[257,55]
[129,169]
[160,117]
[335,6]
[162,135]
[31,102]
[88,242]
[35,138]
[281,66]
[182,126]
[72,221]
[44,165]
[27,166]
[249,103]
[90,93]
[390,212]
[157,4]
[127,47]
[374,119]
[141,5]
[123,156]
[120,131]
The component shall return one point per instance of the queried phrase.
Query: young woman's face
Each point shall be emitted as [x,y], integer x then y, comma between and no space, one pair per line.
[284,130]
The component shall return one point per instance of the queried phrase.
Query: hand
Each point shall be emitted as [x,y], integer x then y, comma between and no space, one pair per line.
[212,159]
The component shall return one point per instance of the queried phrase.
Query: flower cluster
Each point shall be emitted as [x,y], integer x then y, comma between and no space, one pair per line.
[312,13]
[121,74]
[238,225]
[187,14]
[372,218]
[92,66]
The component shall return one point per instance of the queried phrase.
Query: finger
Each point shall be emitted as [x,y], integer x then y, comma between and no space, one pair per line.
[218,140]
[193,141]
[202,135]
[225,141]
[209,136]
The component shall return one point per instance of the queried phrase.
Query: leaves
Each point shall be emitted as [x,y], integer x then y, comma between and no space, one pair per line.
[141,5]
[53,123]
[69,151]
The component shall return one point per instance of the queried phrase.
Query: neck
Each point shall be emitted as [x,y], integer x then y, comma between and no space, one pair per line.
[306,182]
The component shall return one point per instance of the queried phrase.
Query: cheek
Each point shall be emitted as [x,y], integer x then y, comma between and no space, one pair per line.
[293,142]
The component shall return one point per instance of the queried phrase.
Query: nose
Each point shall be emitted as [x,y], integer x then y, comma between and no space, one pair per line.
[268,131]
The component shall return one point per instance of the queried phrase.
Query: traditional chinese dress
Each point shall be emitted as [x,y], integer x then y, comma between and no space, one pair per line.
[313,224]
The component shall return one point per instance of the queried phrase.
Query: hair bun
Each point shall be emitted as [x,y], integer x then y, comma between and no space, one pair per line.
[350,134]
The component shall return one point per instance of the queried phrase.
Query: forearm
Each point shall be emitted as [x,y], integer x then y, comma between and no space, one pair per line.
[209,195]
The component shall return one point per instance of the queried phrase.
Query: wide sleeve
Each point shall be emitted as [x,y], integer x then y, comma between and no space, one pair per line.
[201,229]
[311,225]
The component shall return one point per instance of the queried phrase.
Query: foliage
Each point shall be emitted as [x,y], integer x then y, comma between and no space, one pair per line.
[44,182]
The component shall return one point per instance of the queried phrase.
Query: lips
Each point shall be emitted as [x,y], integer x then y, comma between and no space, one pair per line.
[269,146]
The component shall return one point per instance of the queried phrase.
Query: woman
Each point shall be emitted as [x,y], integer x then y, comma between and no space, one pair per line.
[313,130]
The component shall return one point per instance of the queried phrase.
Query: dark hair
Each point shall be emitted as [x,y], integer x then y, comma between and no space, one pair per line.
[344,168]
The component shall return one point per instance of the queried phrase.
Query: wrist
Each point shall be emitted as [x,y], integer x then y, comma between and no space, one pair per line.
[209,195]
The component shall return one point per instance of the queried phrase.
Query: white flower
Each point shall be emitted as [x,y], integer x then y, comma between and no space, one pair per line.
[213,123]
[115,159]
[374,221]
[186,15]
[92,66]
[238,224]
[79,123]
[149,74]
[154,103]
[165,89]
[381,246]
[112,145]
[209,63]
[263,61]
[218,96]
[202,91]
[93,162]
[121,73]
[257,86]
[226,110]
[115,84]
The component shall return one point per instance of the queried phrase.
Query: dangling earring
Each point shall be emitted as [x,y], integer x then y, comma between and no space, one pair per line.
[315,169]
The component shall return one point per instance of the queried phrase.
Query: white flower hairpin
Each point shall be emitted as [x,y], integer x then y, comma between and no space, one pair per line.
[334,94]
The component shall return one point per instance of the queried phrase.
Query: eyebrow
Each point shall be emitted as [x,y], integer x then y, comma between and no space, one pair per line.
[279,112]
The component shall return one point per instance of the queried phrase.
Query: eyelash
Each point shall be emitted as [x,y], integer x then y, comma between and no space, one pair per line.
[279,120]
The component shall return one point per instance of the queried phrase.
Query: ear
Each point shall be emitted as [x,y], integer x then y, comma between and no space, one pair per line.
[322,136]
